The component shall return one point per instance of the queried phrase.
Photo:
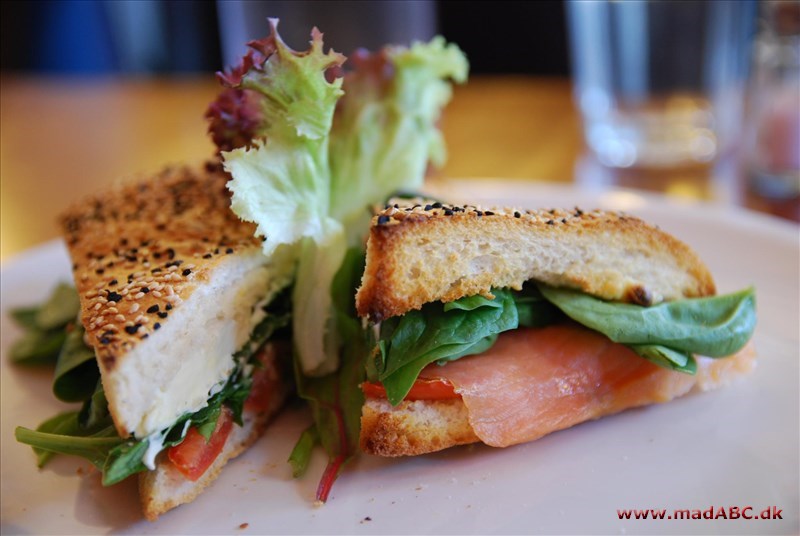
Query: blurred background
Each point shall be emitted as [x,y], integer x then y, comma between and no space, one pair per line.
[143,37]
[559,92]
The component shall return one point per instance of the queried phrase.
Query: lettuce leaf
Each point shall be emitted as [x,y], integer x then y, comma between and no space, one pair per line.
[308,176]
[282,182]
[385,130]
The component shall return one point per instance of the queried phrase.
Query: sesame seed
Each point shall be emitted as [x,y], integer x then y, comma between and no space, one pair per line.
[229,251]
[186,272]
[97,306]
[113,296]
[134,307]
[517,214]
[138,296]
[132,329]
[156,326]
[119,318]
[153,309]
[383,219]
[157,294]
[169,307]
[207,256]
[437,205]
[145,290]
[489,213]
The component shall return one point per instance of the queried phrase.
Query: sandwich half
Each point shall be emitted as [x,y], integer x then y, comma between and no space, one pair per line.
[177,303]
[504,325]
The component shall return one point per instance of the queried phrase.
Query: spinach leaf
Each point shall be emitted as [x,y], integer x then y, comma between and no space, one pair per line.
[44,327]
[94,448]
[60,308]
[94,414]
[533,309]
[37,347]
[76,374]
[62,424]
[124,460]
[25,317]
[716,326]
[666,357]
[440,333]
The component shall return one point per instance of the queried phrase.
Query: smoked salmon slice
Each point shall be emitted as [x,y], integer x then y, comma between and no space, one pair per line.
[535,381]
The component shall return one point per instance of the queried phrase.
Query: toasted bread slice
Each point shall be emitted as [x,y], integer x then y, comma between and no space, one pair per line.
[168,279]
[422,253]
[423,426]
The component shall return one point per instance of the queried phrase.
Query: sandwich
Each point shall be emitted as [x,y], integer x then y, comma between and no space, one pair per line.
[503,325]
[183,317]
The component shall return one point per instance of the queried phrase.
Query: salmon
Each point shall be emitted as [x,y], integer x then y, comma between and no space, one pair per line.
[536,381]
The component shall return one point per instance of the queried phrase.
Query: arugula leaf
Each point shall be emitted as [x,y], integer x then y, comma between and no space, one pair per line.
[76,373]
[715,326]
[440,333]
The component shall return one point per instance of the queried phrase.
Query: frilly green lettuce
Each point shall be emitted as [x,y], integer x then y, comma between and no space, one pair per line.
[313,168]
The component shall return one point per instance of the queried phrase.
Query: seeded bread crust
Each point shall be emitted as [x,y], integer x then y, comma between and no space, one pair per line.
[424,426]
[141,251]
[425,252]
[141,248]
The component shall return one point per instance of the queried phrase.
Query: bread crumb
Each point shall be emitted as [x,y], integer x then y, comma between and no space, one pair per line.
[244,526]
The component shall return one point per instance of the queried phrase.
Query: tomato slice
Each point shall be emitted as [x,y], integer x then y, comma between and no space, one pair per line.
[265,381]
[194,455]
[423,389]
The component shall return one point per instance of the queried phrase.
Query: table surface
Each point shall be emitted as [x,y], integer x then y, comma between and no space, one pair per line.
[65,138]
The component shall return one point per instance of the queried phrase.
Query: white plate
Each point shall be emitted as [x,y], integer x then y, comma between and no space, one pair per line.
[736,447]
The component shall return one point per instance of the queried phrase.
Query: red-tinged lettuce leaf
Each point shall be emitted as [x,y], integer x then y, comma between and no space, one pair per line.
[235,119]
[269,86]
